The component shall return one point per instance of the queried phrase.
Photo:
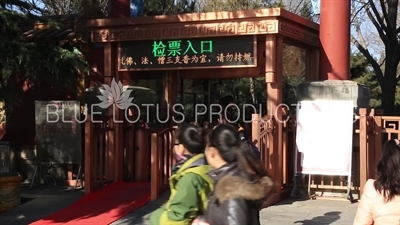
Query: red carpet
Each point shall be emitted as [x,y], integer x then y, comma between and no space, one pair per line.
[103,207]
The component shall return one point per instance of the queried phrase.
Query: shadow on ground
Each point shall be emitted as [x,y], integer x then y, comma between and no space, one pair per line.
[291,200]
[327,218]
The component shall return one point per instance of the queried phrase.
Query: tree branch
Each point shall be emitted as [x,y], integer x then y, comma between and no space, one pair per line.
[356,13]
[374,64]
[383,62]
[358,29]
[379,28]
[377,15]
[384,12]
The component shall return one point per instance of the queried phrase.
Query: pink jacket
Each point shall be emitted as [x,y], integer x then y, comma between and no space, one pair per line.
[372,208]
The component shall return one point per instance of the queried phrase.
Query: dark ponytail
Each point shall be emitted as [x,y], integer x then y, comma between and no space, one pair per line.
[227,141]
[192,138]
[249,162]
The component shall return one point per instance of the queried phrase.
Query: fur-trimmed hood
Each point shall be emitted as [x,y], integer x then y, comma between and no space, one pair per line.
[232,186]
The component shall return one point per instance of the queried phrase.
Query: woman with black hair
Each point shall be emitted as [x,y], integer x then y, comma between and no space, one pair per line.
[241,181]
[380,201]
[190,183]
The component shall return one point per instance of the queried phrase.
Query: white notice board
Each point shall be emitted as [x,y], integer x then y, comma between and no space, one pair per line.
[325,136]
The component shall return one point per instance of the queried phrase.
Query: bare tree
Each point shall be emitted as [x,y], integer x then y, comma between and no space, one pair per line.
[382,15]
[67,7]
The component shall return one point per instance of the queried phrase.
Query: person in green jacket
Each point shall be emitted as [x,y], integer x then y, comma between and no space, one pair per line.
[190,183]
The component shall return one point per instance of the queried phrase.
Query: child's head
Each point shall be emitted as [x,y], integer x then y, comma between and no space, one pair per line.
[189,140]
[225,146]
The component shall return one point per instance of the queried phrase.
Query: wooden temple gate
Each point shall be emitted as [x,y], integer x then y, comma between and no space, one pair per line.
[269,30]
[109,146]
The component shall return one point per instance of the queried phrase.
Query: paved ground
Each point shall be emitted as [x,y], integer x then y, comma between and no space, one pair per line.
[47,200]
[289,211]
[39,203]
[310,212]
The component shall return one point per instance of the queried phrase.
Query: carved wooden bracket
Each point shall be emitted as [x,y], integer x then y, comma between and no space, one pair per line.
[296,32]
[185,30]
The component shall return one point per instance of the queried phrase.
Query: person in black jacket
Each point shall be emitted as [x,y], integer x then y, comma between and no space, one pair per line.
[241,181]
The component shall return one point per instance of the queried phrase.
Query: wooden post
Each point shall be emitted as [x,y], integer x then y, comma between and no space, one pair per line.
[130,150]
[363,149]
[119,146]
[312,64]
[118,126]
[108,76]
[273,77]
[155,167]
[255,130]
[174,94]
[170,94]
[370,145]
[89,176]
[378,137]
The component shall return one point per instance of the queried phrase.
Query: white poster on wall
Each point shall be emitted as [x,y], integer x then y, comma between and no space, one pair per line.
[324,136]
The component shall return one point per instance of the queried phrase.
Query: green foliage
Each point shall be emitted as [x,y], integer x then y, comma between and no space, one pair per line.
[231,5]
[239,89]
[167,7]
[289,88]
[361,72]
[43,64]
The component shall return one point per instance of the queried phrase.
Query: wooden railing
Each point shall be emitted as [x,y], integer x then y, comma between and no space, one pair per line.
[289,146]
[129,151]
[263,137]
[162,144]
[263,132]
[375,129]
[371,130]
[99,143]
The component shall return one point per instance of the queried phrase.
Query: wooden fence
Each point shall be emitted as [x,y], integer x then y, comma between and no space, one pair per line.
[99,141]
[371,130]
[374,129]
[162,144]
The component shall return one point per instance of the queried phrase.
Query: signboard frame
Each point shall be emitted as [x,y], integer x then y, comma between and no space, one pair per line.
[43,152]
[254,61]
[350,141]
[299,168]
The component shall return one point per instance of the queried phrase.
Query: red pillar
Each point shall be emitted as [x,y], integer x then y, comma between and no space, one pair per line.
[334,34]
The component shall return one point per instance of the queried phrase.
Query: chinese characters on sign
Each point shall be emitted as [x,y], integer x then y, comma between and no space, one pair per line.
[180,53]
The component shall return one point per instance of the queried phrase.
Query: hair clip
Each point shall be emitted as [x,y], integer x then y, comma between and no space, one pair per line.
[397,141]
